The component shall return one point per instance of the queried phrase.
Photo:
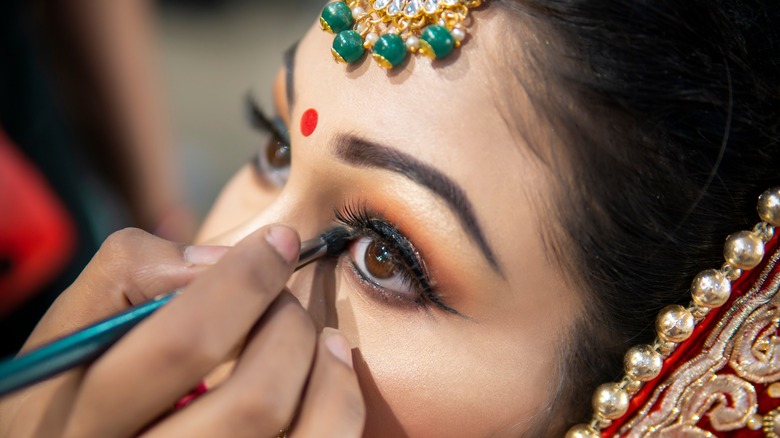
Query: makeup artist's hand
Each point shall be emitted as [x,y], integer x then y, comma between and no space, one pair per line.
[283,370]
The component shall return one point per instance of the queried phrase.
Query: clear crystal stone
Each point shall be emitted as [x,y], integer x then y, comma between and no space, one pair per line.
[412,8]
[395,7]
[431,6]
[451,2]
[379,4]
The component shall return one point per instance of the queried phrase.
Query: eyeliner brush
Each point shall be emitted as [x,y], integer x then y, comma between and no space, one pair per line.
[330,243]
[89,343]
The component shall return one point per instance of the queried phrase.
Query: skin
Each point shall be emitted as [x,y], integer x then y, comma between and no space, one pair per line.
[227,304]
[393,368]
[423,372]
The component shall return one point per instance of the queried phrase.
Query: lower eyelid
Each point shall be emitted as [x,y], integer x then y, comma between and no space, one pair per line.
[376,292]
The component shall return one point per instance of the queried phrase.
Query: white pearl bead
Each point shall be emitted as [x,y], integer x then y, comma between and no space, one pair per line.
[357,12]
[458,34]
[372,38]
[412,43]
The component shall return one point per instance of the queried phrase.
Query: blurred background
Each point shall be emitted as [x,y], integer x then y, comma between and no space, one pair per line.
[213,52]
[121,113]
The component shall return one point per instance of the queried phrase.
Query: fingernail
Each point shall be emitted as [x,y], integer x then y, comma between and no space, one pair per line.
[204,255]
[338,346]
[285,241]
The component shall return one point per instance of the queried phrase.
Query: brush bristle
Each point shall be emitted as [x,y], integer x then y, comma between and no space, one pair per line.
[337,239]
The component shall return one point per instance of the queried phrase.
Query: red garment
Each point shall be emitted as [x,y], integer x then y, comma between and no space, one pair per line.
[37,236]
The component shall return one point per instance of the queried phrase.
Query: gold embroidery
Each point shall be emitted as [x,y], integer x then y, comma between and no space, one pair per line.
[728,400]
[756,347]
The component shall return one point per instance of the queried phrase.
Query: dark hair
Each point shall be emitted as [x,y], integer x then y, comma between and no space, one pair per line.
[668,116]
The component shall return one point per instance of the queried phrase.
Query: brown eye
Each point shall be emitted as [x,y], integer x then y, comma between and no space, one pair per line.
[272,162]
[376,264]
[277,154]
[379,261]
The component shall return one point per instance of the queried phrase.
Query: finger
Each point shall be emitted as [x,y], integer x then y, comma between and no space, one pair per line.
[166,355]
[131,267]
[333,405]
[261,395]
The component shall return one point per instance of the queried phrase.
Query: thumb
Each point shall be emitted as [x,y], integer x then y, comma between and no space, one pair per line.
[131,267]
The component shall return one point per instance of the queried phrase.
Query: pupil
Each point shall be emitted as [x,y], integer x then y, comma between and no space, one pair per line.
[278,154]
[379,261]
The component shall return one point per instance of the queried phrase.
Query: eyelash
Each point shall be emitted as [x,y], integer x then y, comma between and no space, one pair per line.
[274,172]
[371,225]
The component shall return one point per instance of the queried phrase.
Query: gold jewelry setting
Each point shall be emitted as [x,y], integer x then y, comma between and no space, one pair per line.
[392,29]
[710,290]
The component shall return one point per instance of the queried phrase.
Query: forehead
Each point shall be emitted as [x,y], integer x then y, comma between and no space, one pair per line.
[447,108]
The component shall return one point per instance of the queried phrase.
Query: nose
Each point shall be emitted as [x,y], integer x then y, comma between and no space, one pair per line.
[315,285]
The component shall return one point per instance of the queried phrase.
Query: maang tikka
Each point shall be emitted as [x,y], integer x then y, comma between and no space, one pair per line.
[393,28]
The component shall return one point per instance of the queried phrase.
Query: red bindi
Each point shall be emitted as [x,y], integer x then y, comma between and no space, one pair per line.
[309,122]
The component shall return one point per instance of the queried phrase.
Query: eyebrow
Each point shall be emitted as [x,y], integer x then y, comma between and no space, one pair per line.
[360,152]
[289,69]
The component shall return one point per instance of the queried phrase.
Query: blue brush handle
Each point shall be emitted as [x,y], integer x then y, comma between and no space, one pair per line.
[72,350]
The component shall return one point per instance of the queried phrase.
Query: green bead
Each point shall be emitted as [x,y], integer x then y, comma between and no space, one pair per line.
[348,46]
[389,50]
[336,17]
[436,42]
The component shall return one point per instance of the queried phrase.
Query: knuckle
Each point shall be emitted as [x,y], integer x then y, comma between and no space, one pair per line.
[301,319]
[253,409]
[287,308]
[120,240]
[298,328]
[188,348]
[120,246]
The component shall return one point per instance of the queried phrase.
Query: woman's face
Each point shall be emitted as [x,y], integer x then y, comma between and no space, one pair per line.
[455,311]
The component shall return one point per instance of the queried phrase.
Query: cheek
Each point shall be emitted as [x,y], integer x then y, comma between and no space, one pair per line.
[240,200]
[425,377]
